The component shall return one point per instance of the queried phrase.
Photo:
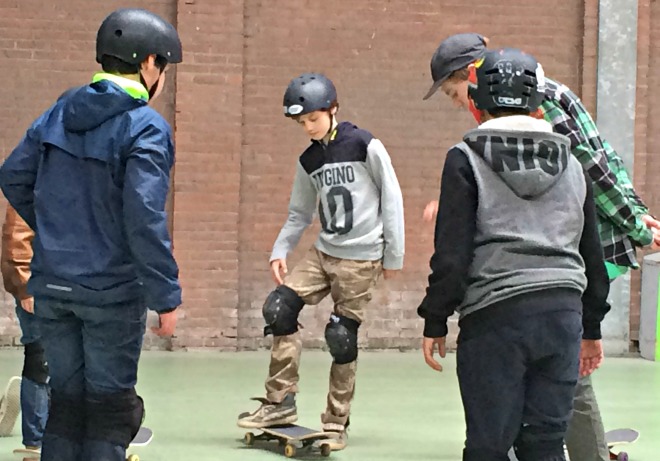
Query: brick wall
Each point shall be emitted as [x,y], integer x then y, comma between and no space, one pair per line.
[236,153]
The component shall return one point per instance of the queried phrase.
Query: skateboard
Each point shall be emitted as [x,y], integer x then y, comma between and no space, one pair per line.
[620,437]
[142,439]
[292,437]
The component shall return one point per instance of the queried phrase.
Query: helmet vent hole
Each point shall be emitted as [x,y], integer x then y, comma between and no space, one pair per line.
[312,78]
[301,99]
[118,33]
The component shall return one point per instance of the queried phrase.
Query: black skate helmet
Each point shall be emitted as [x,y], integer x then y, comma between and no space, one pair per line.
[508,78]
[308,93]
[133,34]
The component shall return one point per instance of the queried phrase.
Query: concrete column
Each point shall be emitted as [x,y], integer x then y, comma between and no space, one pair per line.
[617,76]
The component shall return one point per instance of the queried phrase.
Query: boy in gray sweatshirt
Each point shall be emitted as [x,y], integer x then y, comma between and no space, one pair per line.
[347,175]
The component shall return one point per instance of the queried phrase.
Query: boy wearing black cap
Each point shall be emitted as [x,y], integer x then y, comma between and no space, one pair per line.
[624,222]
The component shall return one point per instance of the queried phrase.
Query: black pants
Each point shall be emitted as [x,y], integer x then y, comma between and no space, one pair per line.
[517,369]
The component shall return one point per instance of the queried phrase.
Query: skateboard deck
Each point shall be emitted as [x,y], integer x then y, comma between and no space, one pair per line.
[142,439]
[620,437]
[293,438]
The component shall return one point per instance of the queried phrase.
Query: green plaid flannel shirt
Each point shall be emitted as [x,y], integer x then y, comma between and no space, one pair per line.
[619,208]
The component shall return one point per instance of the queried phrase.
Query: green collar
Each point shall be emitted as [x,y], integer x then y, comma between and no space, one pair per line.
[133,88]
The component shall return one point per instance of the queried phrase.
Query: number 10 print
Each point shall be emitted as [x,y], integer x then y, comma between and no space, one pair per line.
[342,194]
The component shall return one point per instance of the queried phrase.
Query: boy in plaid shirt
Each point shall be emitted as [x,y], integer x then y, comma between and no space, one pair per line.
[623,219]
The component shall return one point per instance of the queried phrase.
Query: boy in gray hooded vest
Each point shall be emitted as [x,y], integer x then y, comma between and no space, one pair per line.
[517,254]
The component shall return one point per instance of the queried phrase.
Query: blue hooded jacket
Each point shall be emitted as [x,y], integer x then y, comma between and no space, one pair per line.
[91,178]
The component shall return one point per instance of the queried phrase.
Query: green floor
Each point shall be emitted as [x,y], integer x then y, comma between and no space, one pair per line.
[402,411]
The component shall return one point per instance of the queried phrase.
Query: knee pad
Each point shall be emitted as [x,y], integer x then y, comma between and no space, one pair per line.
[34,363]
[66,416]
[281,311]
[539,444]
[114,418]
[341,335]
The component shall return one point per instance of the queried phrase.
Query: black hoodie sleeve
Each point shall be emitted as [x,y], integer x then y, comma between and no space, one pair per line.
[594,298]
[455,229]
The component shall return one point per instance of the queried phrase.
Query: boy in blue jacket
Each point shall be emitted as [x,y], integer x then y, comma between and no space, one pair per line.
[91,177]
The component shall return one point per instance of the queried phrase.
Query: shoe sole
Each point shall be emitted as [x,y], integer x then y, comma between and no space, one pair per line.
[28,454]
[258,425]
[335,444]
[10,406]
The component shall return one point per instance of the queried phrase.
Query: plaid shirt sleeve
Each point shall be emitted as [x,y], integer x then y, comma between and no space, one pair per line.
[624,180]
[615,198]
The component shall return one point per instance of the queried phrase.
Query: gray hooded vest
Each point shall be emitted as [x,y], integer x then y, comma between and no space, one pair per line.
[530,217]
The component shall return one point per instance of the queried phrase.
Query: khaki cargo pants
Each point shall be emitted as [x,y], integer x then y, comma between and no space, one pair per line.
[350,283]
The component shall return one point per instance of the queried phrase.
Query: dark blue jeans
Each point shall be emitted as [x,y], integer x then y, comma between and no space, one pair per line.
[93,354]
[34,395]
[517,382]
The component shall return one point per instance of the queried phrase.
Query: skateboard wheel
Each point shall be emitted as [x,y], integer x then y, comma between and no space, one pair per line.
[133,458]
[289,450]
[249,439]
[623,456]
[325,450]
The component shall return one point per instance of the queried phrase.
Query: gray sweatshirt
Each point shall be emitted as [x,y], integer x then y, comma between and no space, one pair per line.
[353,186]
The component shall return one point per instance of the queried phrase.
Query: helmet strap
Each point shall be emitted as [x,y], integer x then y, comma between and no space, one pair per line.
[333,125]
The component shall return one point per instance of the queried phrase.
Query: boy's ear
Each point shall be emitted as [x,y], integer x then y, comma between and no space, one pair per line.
[334,110]
[150,61]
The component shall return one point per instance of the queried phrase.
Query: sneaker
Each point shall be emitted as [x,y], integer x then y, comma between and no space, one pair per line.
[10,406]
[339,439]
[270,414]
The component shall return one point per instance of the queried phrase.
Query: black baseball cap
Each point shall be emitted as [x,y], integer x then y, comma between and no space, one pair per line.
[454,53]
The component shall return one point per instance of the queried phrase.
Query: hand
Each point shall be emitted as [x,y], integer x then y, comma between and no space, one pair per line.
[430,211]
[656,240]
[167,324]
[591,356]
[654,225]
[428,347]
[277,270]
[389,274]
[28,305]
